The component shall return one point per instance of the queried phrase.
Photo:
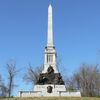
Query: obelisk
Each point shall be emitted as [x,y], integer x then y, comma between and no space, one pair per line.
[50,52]
[50,27]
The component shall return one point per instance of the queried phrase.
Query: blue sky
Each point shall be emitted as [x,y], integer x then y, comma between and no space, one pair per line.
[23,34]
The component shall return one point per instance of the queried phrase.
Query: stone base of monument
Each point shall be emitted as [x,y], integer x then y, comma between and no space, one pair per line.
[42,91]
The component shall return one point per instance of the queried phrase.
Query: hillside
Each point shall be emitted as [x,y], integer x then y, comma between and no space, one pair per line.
[53,98]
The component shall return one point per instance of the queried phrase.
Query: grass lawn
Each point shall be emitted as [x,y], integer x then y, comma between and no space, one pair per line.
[53,98]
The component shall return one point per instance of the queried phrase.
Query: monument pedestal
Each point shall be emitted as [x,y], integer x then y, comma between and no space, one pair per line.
[49,84]
[56,89]
[41,91]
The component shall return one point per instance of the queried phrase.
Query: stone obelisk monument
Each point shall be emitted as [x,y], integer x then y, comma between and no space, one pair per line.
[50,82]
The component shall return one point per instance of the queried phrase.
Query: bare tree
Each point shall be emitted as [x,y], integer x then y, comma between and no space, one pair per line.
[88,79]
[3,88]
[32,75]
[70,83]
[12,71]
[0,80]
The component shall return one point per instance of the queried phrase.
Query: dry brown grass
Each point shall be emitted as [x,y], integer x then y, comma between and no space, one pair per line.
[53,98]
